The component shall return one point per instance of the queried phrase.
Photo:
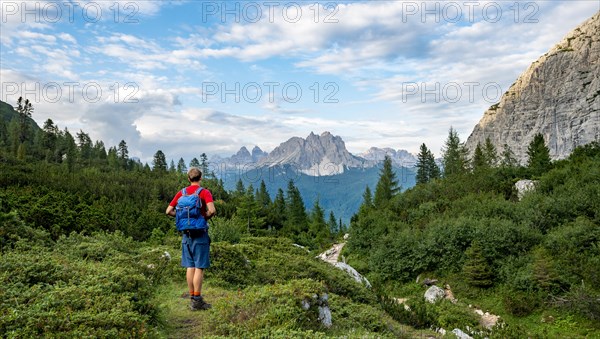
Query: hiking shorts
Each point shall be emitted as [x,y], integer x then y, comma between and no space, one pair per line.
[195,252]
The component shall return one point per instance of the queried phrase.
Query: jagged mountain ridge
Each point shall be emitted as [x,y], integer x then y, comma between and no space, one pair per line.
[400,158]
[317,155]
[558,96]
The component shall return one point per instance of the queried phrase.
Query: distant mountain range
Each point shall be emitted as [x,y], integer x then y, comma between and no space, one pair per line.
[320,166]
[317,155]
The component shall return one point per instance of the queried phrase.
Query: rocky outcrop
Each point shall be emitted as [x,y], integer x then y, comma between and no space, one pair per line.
[316,155]
[524,186]
[558,96]
[434,294]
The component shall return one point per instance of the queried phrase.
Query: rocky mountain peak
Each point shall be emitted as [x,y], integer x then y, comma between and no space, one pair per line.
[558,96]
[323,154]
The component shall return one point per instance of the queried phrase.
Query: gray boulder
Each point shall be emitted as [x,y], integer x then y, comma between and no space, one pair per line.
[434,293]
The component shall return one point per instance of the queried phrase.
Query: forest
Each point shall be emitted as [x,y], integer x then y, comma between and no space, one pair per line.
[86,249]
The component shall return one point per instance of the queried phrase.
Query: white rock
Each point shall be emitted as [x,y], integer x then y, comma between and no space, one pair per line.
[460,334]
[524,186]
[353,273]
[434,293]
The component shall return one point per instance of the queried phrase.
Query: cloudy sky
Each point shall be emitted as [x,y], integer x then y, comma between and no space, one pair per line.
[189,77]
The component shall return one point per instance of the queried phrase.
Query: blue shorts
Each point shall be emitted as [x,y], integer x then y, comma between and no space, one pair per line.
[195,252]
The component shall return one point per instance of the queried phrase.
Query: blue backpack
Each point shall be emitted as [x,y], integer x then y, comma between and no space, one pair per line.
[187,212]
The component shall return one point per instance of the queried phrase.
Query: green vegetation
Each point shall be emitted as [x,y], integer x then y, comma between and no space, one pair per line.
[86,250]
[523,260]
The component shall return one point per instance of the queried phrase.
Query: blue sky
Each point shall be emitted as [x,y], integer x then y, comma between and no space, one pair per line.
[189,77]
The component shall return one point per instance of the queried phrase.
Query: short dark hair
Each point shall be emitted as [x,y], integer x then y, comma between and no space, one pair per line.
[194,174]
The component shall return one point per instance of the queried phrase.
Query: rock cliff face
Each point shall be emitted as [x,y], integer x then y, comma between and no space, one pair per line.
[400,158]
[558,96]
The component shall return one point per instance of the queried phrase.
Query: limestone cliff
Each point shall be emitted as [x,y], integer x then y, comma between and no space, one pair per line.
[558,96]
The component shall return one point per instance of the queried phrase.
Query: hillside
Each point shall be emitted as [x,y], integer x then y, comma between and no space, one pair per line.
[558,96]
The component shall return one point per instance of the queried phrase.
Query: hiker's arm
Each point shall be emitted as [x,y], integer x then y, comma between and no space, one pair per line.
[210,210]
[170,211]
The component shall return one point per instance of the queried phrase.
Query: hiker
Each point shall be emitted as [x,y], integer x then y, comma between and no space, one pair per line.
[192,223]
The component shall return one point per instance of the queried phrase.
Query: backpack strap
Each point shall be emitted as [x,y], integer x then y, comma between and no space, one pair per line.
[198,190]
[184,192]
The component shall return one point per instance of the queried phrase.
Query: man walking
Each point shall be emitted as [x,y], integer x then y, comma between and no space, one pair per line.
[195,244]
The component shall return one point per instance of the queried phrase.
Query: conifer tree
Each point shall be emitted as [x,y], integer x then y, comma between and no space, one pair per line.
[479,162]
[476,268]
[159,162]
[539,155]
[278,211]
[427,169]
[204,164]
[454,155]
[181,168]
[318,229]
[508,157]
[490,153]
[332,223]
[387,186]
[24,109]
[123,154]
[296,211]
[172,167]
[195,163]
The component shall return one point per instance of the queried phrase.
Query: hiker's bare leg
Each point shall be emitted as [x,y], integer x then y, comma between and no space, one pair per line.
[197,281]
[189,274]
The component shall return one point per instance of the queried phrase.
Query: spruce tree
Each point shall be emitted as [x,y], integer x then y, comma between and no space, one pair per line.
[479,162]
[508,157]
[454,155]
[296,211]
[539,155]
[172,167]
[427,169]
[490,153]
[387,186]
[318,229]
[476,268]
[181,167]
[278,214]
[159,163]
[332,224]
[195,163]
[204,164]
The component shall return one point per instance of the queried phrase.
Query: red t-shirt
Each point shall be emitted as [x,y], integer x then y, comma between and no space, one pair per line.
[205,197]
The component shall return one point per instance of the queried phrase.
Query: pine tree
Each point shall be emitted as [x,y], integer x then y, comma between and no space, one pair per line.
[454,155]
[490,153]
[332,224]
[172,167]
[476,268]
[387,186]
[123,154]
[278,215]
[318,229]
[248,210]
[422,170]
[85,146]
[204,164]
[427,169]
[296,212]
[508,157]
[71,150]
[539,155]
[24,109]
[181,168]
[479,162]
[195,163]
[159,162]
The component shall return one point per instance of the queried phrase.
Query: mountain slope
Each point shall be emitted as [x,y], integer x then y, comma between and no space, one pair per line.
[558,96]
